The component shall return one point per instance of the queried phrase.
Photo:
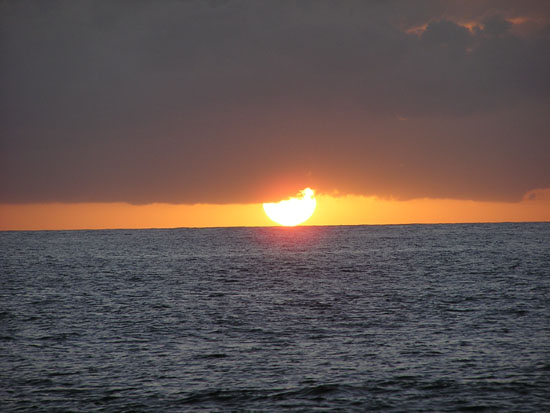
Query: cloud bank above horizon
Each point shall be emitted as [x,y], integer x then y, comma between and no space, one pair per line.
[244,101]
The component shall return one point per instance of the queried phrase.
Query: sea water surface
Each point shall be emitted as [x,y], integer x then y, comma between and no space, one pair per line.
[360,318]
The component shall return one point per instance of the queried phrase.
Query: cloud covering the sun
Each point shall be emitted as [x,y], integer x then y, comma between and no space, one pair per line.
[220,102]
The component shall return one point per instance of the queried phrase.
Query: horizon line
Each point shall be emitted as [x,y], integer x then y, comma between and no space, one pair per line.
[278,226]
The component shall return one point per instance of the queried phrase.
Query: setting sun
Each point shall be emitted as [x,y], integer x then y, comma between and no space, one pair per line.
[292,211]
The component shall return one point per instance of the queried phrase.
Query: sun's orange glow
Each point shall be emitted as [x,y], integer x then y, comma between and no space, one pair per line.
[331,210]
[292,211]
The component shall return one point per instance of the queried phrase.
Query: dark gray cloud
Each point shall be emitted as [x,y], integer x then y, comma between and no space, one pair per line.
[205,101]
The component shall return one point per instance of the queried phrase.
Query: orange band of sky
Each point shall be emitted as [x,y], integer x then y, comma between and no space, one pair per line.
[348,210]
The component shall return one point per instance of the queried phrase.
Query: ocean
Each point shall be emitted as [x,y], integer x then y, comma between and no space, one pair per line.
[400,318]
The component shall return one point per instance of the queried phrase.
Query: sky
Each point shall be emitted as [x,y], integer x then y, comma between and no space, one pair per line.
[208,106]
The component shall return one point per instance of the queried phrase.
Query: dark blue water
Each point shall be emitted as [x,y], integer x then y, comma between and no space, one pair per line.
[381,318]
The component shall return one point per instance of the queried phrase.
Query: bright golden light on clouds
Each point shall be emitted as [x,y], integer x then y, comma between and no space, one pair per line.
[293,211]
[331,210]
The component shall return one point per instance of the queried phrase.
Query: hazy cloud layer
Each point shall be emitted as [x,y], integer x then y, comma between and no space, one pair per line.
[213,101]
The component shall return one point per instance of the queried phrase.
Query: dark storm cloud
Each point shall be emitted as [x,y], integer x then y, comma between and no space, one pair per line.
[205,101]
